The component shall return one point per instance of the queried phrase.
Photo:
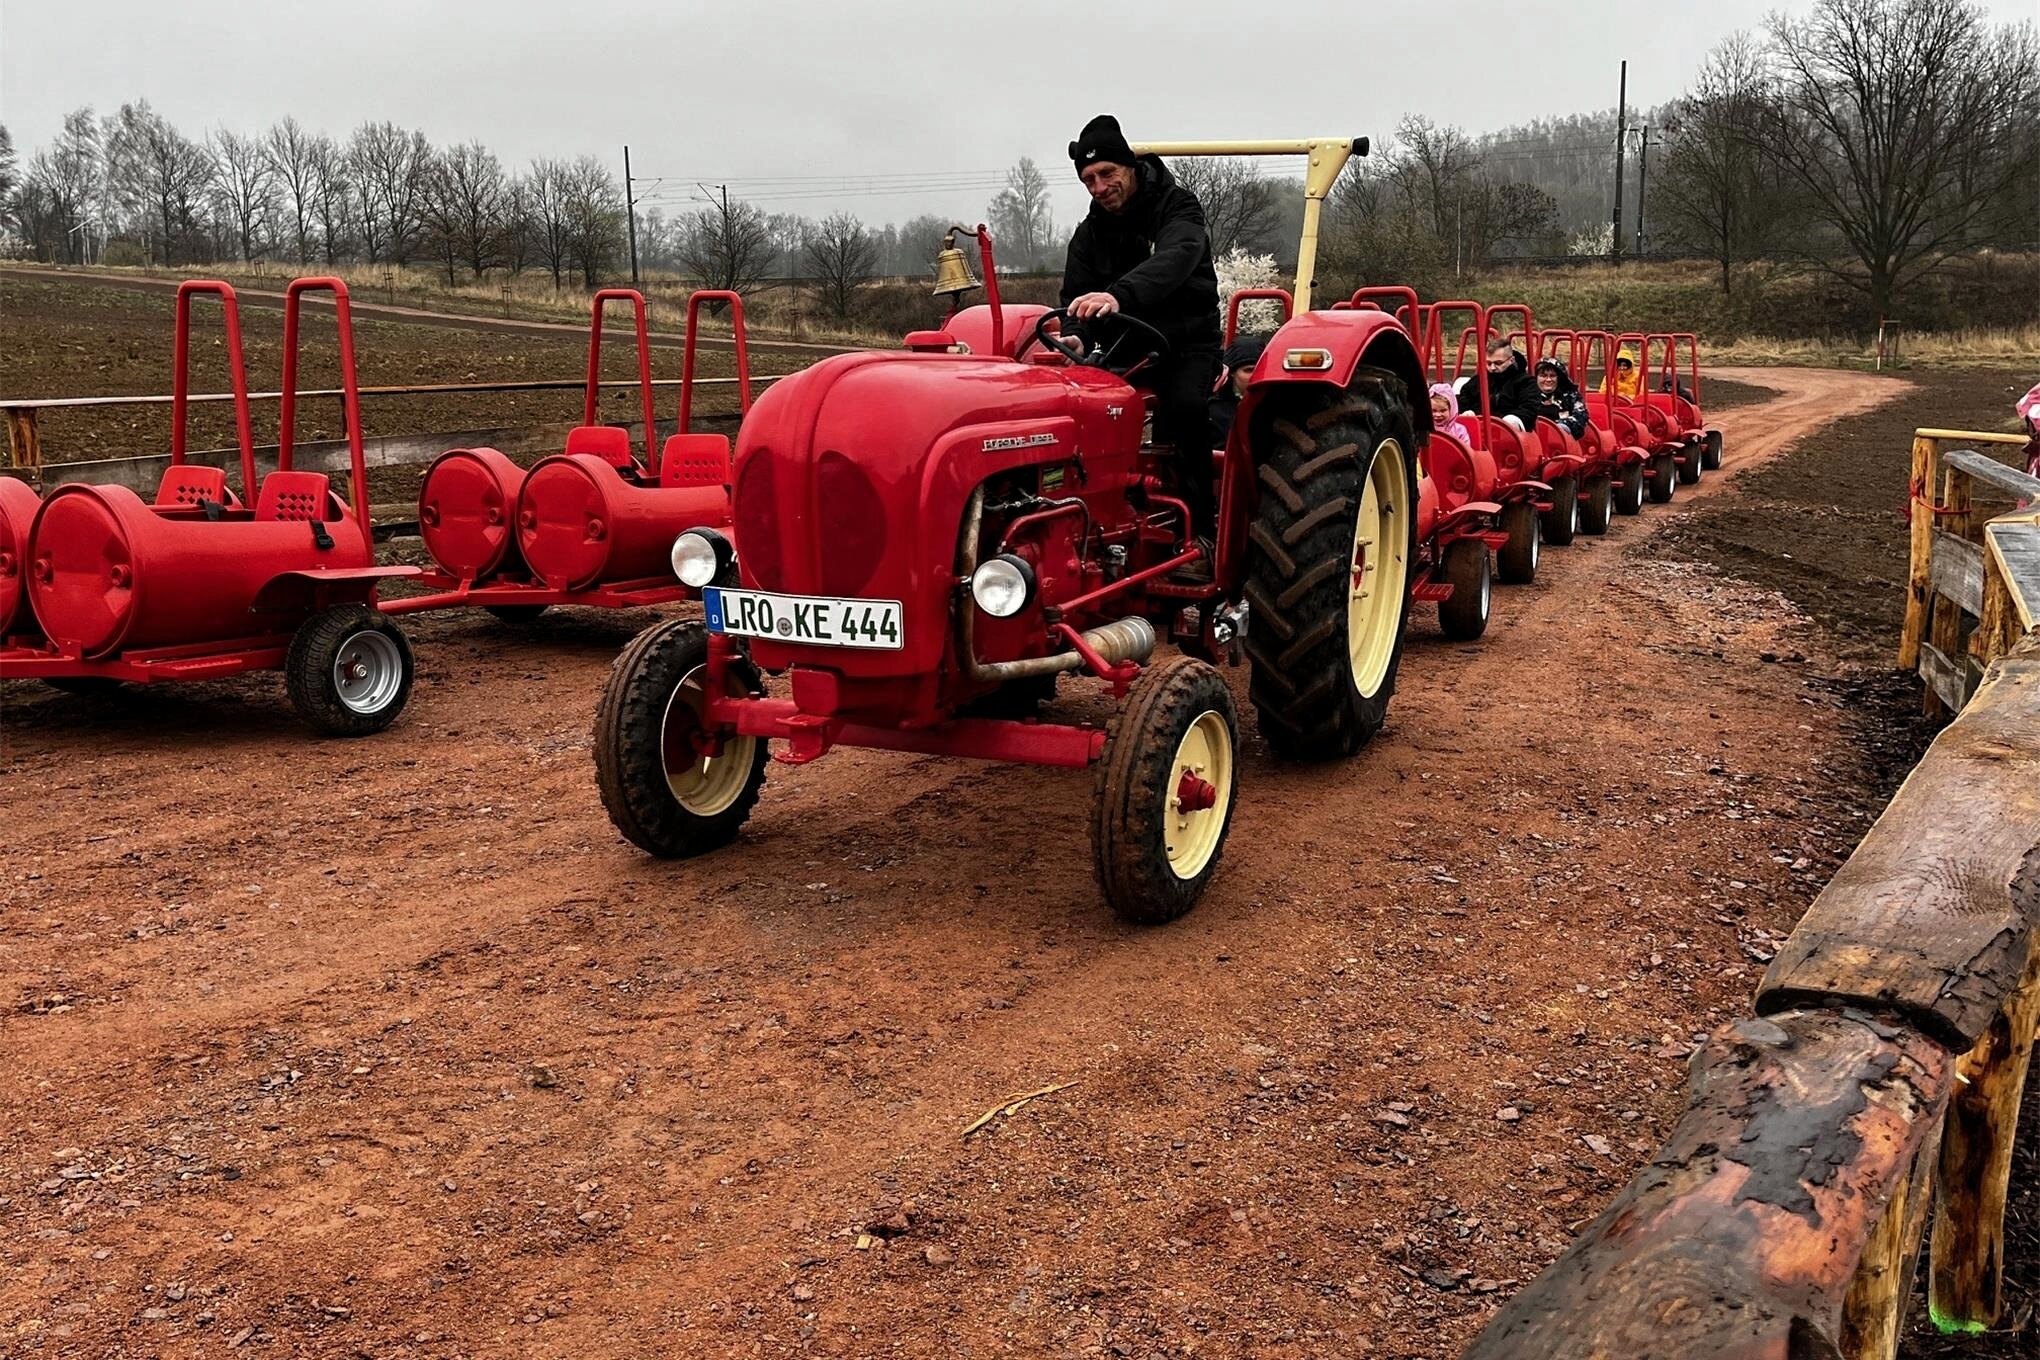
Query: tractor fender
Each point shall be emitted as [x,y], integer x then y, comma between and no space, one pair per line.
[1351,338]
[1565,465]
[288,590]
[1466,520]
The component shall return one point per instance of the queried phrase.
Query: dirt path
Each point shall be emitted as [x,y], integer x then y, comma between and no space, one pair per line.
[273,298]
[393,1048]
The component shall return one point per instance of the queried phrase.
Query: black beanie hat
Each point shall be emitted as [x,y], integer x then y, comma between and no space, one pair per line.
[1245,352]
[1101,140]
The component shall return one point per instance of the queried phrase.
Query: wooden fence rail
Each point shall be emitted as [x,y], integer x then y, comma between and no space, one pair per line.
[1965,569]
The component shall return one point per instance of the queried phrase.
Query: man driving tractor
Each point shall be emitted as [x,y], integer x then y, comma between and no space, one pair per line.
[1143,250]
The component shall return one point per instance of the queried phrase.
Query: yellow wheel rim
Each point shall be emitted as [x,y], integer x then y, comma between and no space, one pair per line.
[1204,759]
[1380,568]
[703,785]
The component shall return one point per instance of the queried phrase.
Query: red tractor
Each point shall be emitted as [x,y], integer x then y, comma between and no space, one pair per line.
[932,538]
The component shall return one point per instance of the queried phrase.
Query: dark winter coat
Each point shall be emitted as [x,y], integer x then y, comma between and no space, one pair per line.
[1513,392]
[1565,407]
[1155,257]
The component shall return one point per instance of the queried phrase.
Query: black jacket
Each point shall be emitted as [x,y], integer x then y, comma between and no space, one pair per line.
[1155,258]
[1513,392]
[1566,406]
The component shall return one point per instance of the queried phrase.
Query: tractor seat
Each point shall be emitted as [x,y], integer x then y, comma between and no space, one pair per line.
[1450,465]
[610,443]
[188,484]
[695,460]
[294,496]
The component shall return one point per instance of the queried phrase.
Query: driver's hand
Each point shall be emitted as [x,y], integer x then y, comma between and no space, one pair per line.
[1094,304]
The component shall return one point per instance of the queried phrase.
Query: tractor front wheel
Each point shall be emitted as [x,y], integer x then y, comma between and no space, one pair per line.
[348,671]
[1664,474]
[1164,792]
[1598,506]
[1710,454]
[1629,490]
[1469,569]
[674,786]
[1562,521]
[1516,563]
[1328,562]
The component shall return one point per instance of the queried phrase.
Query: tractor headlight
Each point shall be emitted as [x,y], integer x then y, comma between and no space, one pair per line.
[1002,585]
[700,556]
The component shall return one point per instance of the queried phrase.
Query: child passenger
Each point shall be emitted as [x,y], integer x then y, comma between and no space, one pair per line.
[1445,417]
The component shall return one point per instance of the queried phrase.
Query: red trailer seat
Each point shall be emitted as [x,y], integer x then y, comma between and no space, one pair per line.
[189,484]
[610,443]
[294,496]
[695,460]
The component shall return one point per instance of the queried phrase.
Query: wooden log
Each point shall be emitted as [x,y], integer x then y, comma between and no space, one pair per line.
[1946,678]
[2011,481]
[1873,1313]
[1922,920]
[1966,1285]
[1743,1234]
[2014,544]
[24,444]
[1918,583]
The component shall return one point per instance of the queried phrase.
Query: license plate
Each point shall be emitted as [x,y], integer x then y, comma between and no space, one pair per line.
[810,620]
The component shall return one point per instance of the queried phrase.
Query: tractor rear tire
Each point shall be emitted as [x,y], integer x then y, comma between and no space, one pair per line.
[348,671]
[1663,476]
[84,686]
[517,613]
[1710,456]
[1689,471]
[1469,568]
[1516,563]
[1177,738]
[650,706]
[1329,556]
[1598,506]
[1629,490]
[1562,521]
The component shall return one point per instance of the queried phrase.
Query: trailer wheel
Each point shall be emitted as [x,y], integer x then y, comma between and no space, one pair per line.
[1516,563]
[1163,795]
[1562,521]
[1663,476]
[1710,455]
[348,671]
[1689,471]
[1598,506]
[517,613]
[1629,490]
[663,793]
[84,686]
[1469,569]
[1328,562]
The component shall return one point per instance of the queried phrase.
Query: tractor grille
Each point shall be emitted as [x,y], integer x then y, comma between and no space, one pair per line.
[852,524]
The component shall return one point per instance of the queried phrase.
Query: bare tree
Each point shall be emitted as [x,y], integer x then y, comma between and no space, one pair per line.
[330,197]
[727,245]
[839,254]
[9,177]
[550,227]
[594,211]
[1240,209]
[920,241]
[1714,186]
[1020,215]
[159,174]
[293,162]
[465,202]
[34,210]
[1438,163]
[245,190]
[1903,121]
[389,167]
[516,237]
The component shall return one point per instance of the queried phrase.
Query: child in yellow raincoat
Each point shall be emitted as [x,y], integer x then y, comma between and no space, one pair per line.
[1628,380]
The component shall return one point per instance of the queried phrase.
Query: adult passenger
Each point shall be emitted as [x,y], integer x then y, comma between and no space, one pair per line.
[1558,397]
[1511,391]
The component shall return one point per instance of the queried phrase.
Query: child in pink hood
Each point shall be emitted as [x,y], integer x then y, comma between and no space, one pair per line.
[1445,417]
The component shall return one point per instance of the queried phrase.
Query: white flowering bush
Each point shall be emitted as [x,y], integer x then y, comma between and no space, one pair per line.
[1238,269]
[1592,240]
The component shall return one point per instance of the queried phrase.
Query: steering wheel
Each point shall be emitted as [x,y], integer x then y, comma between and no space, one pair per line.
[1103,357]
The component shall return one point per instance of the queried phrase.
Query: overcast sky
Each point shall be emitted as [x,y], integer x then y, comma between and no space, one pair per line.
[887,109]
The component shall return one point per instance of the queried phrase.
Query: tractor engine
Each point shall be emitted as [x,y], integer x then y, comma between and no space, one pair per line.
[874,482]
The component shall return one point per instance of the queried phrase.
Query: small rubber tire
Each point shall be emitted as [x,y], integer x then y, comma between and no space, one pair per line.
[631,738]
[84,686]
[1710,456]
[1516,563]
[1469,568]
[517,613]
[1629,490]
[1562,521]
[1598,507]
[378,660]
[1690,469]
[1664,475]
[1134,808]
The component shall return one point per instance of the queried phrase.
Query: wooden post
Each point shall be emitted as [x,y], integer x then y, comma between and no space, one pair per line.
[24,441]
[1919,588]
[1997,628]
[1965,1294]
[1946,625]
[1873,1313]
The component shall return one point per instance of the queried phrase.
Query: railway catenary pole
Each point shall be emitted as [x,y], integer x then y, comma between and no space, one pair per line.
[1642,180]
[1621,136]
[630,212]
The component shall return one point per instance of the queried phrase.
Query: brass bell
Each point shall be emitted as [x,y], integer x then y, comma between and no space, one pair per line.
[952,272]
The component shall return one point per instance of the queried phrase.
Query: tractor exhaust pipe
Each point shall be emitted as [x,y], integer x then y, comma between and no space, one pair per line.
[1130,639]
